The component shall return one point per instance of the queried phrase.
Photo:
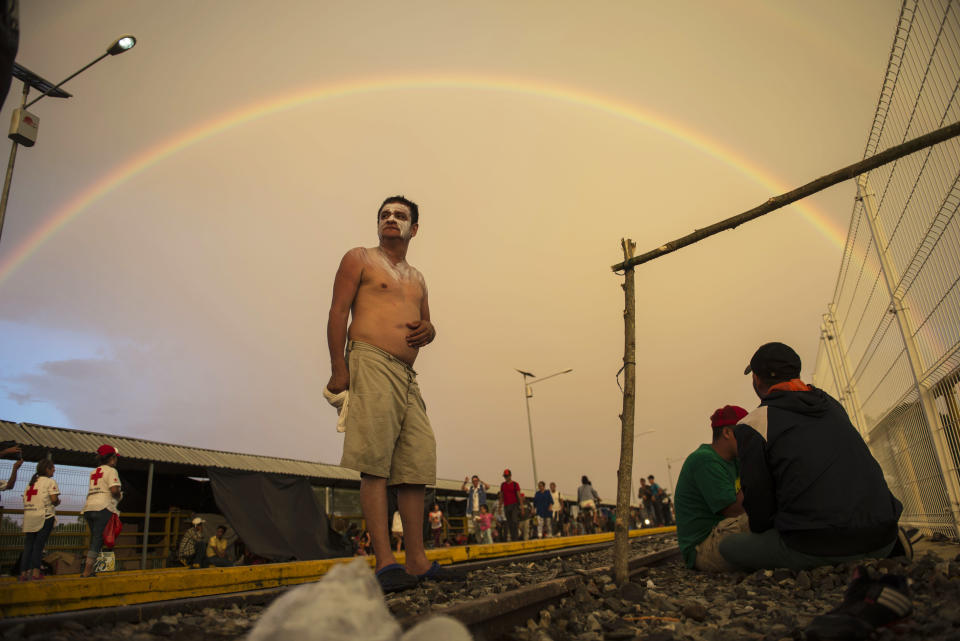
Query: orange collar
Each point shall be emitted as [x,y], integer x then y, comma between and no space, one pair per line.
[794,385]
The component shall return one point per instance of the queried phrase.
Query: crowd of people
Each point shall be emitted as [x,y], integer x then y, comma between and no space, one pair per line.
[513,516]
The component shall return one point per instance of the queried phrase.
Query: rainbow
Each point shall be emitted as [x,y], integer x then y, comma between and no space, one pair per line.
[147,158]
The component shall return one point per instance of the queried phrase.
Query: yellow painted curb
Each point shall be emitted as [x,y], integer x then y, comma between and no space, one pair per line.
[63,594]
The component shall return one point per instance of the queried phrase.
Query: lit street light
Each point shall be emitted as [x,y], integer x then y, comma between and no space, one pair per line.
[527,394]
[24,125]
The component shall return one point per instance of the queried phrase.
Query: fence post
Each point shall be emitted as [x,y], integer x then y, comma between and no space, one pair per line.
[621,536]
[841,366]
[825,338]
[948,470]
[146,518]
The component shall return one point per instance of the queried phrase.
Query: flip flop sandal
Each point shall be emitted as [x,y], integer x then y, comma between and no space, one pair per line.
[439,573]
[394,578]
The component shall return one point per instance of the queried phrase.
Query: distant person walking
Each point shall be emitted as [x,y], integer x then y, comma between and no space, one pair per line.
[103,496]
[657,498]
[646,498]
[437,519]
[543,502]
[556,511]
[484,522]
[39,500]
[588,499]
[510,498]
[476,496]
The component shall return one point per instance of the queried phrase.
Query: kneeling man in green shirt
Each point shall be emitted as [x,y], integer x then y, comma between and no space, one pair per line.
[708,501]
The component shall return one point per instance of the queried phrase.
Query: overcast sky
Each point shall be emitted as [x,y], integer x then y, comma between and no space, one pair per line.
[170,243]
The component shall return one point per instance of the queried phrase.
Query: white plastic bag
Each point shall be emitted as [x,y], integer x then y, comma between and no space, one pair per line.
[347,605]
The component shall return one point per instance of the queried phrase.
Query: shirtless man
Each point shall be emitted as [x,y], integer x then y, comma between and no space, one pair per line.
[388,435]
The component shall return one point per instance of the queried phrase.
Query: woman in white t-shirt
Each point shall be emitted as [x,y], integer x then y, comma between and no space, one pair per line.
[396,530]
[436,524]
[103,496]
[39,500]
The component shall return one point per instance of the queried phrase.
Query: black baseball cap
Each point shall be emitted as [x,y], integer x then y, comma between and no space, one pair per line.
[775,361]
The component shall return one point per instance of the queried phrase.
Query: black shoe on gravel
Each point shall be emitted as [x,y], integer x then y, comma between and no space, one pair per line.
[438,572]
[867,605]
[903,546]
[394,578]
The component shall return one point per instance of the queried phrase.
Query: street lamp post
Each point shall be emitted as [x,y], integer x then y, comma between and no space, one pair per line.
[23,127]
[670,462]
[527,393]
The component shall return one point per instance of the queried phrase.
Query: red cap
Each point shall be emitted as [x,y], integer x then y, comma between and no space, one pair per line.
[108,450]
[506,472]
[727,415]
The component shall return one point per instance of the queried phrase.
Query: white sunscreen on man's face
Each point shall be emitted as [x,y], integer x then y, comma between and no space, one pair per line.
[394,217]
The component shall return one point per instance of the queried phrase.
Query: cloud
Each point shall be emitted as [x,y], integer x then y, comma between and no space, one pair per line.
[22,398]
[180,392]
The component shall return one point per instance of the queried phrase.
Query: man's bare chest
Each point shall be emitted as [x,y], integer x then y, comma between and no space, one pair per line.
[382,285]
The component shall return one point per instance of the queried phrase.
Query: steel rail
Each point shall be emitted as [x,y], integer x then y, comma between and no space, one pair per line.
[491,617]
[137,613]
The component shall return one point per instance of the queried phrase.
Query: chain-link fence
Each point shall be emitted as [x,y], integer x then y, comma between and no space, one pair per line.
[890,340]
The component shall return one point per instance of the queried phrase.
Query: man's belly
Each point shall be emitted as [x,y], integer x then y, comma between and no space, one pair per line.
[391,340]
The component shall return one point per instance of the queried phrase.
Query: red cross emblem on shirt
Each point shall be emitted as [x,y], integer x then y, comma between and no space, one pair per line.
[32,492]
[96,476]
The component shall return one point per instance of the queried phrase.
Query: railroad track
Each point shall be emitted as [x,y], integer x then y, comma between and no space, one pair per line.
[492,617]
[487,616]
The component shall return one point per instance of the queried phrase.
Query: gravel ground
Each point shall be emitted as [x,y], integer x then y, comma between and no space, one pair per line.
[480,583]
[669,602]
[665,602]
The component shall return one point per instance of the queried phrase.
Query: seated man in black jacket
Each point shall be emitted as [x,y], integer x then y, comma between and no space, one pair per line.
[812,490]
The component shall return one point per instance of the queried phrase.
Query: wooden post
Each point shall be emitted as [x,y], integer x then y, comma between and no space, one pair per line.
[621,537]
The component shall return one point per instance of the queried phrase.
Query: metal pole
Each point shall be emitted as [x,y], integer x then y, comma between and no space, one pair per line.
[825,338]
[13,157]
[70,77]
[533,457]
[621,534]
[837,359]
[948,470]
[146,517]
[845,371]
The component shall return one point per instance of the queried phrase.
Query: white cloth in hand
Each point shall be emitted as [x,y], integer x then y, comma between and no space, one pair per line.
[340,402]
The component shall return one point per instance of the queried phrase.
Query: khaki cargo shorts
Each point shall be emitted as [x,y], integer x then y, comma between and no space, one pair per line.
[708,550]
[388,433]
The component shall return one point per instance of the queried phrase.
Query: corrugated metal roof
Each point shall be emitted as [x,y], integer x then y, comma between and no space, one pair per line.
[82,444]
[86,443]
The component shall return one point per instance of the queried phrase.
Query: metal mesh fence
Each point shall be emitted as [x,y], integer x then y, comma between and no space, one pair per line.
[69,532]
[72,481]
[890,342]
